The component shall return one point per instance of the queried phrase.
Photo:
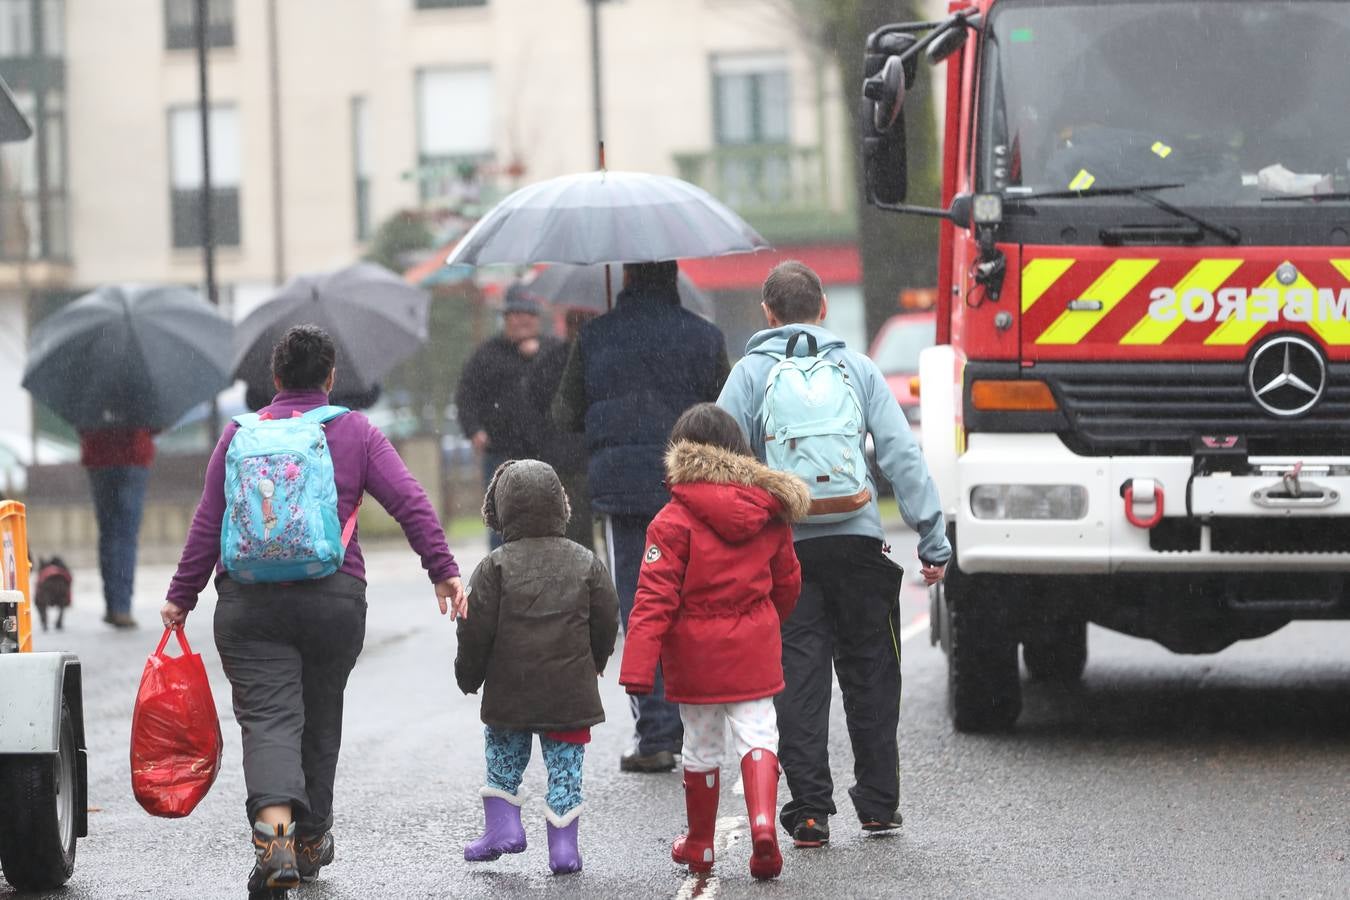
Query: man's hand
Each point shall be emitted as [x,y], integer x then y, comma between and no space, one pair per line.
[528,348]
[933,574]
[450,595]
[480,441]
[172,615]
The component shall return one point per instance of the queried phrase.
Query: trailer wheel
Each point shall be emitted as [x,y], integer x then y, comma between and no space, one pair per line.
[1059,654]
[984,688]
[38,794]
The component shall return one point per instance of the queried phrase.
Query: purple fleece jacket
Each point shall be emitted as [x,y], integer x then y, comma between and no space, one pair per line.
[363,460]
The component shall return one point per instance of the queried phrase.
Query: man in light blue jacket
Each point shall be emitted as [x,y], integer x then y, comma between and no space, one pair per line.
[849,605]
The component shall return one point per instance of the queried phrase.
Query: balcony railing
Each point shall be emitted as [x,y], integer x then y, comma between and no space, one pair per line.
[780,189]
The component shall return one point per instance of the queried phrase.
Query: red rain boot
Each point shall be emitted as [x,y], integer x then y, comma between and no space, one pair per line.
[759,770]
[695,848]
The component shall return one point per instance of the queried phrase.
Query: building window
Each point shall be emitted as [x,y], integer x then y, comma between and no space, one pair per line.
[448,4]
[361,165]
[185,165]
[33,221]
[750,128]
[750,99]
[454,132]
[180,24]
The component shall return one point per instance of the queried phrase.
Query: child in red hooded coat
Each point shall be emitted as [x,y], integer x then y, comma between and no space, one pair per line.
[719,577]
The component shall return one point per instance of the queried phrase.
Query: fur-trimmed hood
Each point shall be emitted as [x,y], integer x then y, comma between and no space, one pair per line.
[736,495]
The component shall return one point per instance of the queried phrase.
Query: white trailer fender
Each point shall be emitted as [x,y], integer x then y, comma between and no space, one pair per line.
[31,687]
[939,394]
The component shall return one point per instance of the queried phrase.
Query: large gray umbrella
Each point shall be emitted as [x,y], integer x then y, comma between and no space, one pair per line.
[376,319]
[605,217]
[583,287]
[133,356]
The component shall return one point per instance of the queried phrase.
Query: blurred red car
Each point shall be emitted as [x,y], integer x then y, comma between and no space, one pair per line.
[896,352]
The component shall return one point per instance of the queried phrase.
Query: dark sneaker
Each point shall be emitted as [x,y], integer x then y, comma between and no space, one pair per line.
[661,761]
[881,826]
[811,832]
[275,870]
[312,854]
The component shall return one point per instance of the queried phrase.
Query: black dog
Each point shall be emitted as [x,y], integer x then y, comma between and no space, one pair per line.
[53,590]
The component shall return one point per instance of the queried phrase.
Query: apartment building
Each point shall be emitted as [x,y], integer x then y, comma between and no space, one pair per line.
[328,116]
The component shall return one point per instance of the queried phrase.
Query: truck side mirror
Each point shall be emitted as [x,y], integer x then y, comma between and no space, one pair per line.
[881,122]
[947,43]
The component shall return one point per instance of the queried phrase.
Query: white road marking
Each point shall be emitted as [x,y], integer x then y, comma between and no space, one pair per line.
[914,629]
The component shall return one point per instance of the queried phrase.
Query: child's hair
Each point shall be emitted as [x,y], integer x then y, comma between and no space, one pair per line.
[708,423]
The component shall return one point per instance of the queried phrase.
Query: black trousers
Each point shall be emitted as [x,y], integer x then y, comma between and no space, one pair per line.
[848,615]
[287,650]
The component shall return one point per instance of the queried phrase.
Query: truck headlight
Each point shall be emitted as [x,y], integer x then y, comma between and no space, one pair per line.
[1028,501]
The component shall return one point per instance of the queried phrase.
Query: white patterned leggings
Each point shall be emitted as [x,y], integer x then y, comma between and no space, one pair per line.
[753,725]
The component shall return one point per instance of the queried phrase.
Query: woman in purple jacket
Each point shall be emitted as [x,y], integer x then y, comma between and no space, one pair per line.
[288,648]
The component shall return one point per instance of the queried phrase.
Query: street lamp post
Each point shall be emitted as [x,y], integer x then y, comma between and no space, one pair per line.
[207,223]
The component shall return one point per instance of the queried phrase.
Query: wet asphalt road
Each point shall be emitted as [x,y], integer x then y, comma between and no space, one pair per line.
[1162,776]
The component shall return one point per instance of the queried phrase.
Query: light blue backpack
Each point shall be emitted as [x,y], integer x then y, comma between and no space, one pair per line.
[281,515]
[813,427]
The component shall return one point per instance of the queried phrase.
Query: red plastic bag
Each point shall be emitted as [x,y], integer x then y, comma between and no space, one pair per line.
[175,732]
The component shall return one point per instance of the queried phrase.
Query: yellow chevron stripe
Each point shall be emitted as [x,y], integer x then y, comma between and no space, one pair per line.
[1117,281]
[1038,276]
[1342,266]
[1240,331]
[1208,275]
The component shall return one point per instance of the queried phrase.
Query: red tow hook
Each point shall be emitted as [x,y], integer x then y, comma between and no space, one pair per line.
[1142,492]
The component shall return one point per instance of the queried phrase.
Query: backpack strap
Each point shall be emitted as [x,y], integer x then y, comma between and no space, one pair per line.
[349,527]
[812,348]
[322,414]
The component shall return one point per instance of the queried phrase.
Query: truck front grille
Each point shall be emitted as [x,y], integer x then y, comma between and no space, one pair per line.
[1158,408]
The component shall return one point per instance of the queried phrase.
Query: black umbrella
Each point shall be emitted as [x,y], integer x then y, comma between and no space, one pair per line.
[376,319]
[583,287]
[134,356]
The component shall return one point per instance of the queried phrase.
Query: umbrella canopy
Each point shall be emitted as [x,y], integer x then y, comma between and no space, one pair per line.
[583,287]
[599,217]
[129,356]
[375,318]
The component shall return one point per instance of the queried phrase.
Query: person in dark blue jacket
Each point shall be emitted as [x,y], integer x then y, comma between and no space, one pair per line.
[631,374]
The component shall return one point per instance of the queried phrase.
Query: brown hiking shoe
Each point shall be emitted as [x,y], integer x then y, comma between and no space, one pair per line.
[276,867]
[312,854]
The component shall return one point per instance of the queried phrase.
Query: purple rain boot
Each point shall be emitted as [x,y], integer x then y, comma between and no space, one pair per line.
[564,856]
[502,831]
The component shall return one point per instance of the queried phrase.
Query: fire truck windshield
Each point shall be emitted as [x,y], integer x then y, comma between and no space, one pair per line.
[1233,102]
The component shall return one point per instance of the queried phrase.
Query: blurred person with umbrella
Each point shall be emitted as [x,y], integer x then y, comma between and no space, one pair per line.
[583,288]
[633,371]
[492,400]
[564,450]
[375,318]
[121,364]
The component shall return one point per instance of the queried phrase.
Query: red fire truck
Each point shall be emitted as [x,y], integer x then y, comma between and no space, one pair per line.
[1138,411]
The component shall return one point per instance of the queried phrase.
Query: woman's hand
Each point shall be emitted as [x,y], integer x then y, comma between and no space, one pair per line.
[172,614]
[452,590]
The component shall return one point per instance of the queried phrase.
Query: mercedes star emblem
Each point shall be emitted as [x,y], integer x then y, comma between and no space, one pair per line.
[1287,376]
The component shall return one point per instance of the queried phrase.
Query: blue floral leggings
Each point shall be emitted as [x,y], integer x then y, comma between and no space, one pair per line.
[508,753]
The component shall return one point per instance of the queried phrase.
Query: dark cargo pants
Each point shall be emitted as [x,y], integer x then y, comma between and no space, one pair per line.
[287,650]
[848,615]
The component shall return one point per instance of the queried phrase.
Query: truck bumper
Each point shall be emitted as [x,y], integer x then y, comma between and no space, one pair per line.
[1283,537]
[31,690]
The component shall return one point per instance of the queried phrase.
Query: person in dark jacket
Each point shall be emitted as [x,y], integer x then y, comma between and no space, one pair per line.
[118,462]
[542,622]
[562,449]
[632,373]
[494,409]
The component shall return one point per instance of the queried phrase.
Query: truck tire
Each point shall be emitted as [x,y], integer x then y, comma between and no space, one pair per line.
[38,794]
[1059,655]
[984,688]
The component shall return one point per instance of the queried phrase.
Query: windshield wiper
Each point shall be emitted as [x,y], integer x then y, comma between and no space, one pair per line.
[1113,191]
[1144,192]
[1337,195]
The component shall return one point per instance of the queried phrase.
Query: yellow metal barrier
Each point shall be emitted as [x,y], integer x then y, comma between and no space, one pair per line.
[14,565]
